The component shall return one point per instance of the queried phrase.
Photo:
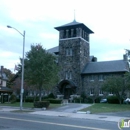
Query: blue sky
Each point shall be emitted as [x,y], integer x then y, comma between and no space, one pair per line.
[109,19]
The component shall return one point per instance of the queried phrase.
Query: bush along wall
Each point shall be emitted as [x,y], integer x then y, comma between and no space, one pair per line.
[112,100]
[41,104]
[54,101]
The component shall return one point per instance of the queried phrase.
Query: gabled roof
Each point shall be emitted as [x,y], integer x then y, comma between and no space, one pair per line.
[6,89]
[72,24]
[53,50]
[106,67]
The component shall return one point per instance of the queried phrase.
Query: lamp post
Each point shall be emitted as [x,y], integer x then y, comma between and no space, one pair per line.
[22,79]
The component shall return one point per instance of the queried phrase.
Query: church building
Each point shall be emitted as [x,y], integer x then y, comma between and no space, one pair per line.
[80,72]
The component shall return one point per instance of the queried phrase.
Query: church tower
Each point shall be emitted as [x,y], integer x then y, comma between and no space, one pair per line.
[74,53]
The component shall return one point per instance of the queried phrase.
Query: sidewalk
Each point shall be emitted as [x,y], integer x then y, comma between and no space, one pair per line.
[79,115]
[67,111]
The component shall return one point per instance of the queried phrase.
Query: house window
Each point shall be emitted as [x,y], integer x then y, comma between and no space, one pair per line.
[91,91]
[91,78]
[100,92]
[100,77]
[69,51]
[110,93]
[66,75]
[70,75]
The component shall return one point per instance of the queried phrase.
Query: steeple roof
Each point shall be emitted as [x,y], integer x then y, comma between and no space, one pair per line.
[73,24]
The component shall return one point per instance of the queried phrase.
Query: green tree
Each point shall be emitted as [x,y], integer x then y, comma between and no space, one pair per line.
[117,85]
[9,75]
[41,70]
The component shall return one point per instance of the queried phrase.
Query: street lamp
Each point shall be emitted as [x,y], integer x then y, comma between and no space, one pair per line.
[22,79]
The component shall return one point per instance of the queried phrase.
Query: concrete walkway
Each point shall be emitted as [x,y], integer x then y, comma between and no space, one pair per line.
[71,111]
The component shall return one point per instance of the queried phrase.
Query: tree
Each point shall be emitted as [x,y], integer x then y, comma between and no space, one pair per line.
[9,75]
[41,70]
[117,85]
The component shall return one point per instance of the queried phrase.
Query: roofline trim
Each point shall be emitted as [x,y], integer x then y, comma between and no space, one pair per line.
[73,38]
[103,72]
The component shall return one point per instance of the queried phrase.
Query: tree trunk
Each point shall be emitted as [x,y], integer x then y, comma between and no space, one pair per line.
[40,95]
[120,101]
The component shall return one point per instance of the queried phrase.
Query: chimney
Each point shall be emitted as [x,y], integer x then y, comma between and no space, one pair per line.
[125,57]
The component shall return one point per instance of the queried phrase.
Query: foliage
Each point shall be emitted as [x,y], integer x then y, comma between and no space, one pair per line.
[31,99]
[97,100]
[88,100]
[51,95]
[93,91]
[13,98]
[116,85]
[9,75]
[78,99]
[41,71]
[41,104]
[54,101]
[112,100]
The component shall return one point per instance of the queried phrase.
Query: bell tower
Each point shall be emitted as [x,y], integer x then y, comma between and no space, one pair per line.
[74,51]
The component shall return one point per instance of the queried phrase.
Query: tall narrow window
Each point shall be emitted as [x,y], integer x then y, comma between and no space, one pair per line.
[70,49]
[100,77]
[110,93]
[66,75]
[91,77]
[70,75]
[100,92]
[91,91]
[67,51]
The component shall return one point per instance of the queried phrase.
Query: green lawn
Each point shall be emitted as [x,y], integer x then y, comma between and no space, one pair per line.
[104,107]
[27,105]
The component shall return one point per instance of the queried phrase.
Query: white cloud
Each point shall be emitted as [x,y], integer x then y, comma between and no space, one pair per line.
[109,19]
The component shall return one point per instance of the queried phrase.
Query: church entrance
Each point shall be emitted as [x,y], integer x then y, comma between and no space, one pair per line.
[67,88]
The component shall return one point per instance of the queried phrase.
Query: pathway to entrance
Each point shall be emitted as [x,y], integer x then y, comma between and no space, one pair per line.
[71,107]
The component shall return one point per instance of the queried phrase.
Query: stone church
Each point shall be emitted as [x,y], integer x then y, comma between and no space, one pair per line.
[81,72]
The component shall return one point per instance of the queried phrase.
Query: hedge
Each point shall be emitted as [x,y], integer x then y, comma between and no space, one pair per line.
[41,104]
[112,100]
[54,101]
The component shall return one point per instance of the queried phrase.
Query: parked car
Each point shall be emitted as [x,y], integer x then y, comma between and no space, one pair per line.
[104,100]
[126,101]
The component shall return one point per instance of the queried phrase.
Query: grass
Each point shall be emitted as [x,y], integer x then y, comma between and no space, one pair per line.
[28,105]
[104,107]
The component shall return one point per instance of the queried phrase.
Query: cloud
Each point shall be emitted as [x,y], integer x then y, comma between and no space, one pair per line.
[108,19]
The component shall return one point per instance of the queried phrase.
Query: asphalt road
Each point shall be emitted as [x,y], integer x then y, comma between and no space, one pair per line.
[25,121]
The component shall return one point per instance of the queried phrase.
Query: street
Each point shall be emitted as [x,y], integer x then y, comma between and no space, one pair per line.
[25,121]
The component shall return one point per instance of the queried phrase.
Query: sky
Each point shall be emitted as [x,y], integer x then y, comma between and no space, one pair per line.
[108,19]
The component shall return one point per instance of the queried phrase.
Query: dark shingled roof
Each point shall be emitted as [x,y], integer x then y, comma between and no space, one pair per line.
[74,23]
[106,67]
[54,49]
[6,89]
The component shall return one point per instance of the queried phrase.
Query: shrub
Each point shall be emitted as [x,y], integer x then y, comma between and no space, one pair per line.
[31,99]
[78,99]
[41,104]
[54,101]
[13,98]
[88,100]
[51,95]
[112,100]
[97,100]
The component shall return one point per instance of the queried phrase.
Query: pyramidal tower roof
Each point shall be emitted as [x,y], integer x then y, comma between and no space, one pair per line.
[72,24]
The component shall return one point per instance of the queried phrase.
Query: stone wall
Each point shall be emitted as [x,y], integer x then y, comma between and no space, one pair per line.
[75,62]
[96,84]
